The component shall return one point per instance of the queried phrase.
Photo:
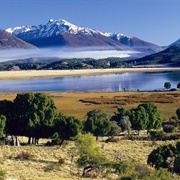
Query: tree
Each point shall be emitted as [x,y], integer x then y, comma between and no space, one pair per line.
[178,113]
[158,158]
[34,115]
[154,117]
[166,156]
[115,129]
[97,122]
[125,124]
[139,118]
[119,114]
[67,127]
[6,109]
[177,159]
[178,85]
[167,85]
[2,124]
[90,156]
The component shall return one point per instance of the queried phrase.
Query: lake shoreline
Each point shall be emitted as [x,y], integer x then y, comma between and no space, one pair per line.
[27,74]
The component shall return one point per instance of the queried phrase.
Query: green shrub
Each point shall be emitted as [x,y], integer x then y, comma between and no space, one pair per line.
[157,135]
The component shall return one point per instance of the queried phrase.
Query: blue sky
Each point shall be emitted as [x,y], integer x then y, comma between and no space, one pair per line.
[156,21]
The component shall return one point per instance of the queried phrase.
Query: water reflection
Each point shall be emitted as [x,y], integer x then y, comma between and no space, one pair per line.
[106,82]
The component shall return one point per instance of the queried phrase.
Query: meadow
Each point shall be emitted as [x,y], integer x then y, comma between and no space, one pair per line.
[43,162]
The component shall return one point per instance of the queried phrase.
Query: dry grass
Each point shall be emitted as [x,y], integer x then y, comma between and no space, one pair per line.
[69,104]
[43,164]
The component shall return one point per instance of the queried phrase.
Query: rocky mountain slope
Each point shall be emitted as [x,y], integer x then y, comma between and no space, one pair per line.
[8,41]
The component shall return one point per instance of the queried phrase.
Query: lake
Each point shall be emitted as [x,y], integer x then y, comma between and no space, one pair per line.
[131,81]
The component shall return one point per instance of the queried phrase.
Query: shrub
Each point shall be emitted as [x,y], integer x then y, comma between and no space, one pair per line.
[61,161]
[157,135]
[169,129]
[24,155]
[52,166]
[111,139]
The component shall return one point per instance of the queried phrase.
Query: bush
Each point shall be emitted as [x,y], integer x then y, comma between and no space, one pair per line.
[24,155]
[174,136]
[111,139]
[61,161]
[157,135]
[169,129]
[177,165]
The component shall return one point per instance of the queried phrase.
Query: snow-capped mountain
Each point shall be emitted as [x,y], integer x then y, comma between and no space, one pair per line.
[8,41]
[134,43]
[62,33]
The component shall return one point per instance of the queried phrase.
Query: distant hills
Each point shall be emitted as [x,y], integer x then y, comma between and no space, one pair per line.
[169,56]
[8,41]
[61,33]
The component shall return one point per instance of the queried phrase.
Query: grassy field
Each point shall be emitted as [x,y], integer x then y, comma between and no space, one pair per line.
[79,103]
[43,162]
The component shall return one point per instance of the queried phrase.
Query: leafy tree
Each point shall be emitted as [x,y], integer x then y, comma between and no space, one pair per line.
[115,129]
[178,85]
[178,113]
[154,117]
[97,123]
[167,85]
[6,109]
[119,114]
[139,118]
[125,124]
[67,127]
[34,115]
[2,124]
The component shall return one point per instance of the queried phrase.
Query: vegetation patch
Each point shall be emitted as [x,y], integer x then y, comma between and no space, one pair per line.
[135,98]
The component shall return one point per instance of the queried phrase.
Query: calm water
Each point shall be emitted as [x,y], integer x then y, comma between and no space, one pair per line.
[107,82]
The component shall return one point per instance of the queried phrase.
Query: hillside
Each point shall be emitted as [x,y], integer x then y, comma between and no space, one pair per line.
[169,56]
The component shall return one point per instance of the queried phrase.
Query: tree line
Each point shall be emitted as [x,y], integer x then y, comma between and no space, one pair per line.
[35,116]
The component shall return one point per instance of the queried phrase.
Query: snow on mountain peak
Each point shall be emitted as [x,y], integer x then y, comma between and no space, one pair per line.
[53,27]
[118,36]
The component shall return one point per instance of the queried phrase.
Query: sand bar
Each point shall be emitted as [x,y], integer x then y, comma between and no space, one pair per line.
[25,74]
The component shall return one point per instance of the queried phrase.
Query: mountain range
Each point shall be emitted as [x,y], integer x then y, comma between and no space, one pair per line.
[60,33]
[9,41]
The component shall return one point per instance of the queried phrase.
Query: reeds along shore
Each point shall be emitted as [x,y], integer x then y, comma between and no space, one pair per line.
[53,73]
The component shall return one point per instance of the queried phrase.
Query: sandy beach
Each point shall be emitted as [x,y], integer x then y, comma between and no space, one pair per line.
[58,73]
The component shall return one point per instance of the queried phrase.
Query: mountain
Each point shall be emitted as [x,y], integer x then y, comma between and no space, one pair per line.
[135,43]
[170,56]
[8,41]
[64,34]
[175,43]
